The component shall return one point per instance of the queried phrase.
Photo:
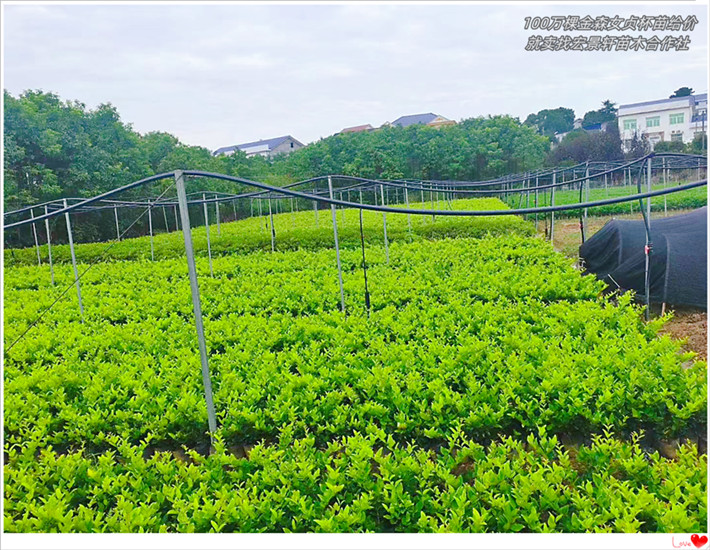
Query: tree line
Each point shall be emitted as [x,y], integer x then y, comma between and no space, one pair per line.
[56,148]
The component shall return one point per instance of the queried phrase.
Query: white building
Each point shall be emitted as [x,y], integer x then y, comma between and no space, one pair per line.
[676,119]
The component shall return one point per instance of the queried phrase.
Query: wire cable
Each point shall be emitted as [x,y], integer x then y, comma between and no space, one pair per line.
[68,288]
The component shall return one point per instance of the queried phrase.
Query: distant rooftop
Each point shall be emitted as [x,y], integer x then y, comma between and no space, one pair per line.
[353,129]
[693,97]
[408,120]
[261,145]
[596,126]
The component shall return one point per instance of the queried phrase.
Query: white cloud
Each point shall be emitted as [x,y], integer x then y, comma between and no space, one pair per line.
[223,74]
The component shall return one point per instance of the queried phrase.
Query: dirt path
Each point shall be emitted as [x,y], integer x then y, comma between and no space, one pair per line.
[690,324]
[687,323]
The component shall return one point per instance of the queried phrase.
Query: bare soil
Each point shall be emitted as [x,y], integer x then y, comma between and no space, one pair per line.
[692,326]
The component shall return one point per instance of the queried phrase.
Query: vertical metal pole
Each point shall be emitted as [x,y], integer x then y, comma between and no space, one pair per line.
[384,224]
[342,208]
[49,243]
[648,185]
[207,228]
[165,218]
[271,222]
[537,179]
[364,264]
[234,207]
[315,208]
[665,201]
[582,218]
[73,261]
[216,208]
[552,203]
[177,225]
[34,232]
[647,248]
[431,194]
[263,225]
[586,192]
[606,187]
[118,231]
[337,247]
[409,216]
[150,229]
[187,233]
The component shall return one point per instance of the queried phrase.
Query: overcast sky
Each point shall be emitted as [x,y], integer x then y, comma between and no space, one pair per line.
[216,75]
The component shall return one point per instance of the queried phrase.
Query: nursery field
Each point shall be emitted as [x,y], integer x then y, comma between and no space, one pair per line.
[304,230]
[689,199]
[490,388]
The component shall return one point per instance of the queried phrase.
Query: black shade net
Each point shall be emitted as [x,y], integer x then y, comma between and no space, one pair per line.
[678,260]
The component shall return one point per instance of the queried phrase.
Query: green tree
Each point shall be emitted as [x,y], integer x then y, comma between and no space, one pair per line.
[638,147]
[157,146]
[581,146]
[475,148]
[669,147]
[549,122]
[699,145]
[607,113]
[682,92]
[55,148]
